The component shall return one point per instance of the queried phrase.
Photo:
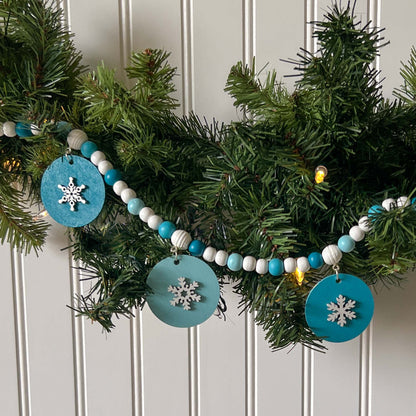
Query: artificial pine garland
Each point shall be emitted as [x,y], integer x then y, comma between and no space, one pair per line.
[247,187]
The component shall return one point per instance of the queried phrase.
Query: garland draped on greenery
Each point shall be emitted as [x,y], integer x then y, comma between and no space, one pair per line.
[245,187]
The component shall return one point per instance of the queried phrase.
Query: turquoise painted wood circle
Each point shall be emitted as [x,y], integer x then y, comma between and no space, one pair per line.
[84,173]
[330,298]
[166,274]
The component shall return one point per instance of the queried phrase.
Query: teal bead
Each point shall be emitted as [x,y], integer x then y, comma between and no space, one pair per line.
[166,229]
[276,267]
[88,148]
[23,129]
[375,209]
[135,205]
[196,248]
[413,201]
[315,260]
[112,176]
[235,262]
[346,244]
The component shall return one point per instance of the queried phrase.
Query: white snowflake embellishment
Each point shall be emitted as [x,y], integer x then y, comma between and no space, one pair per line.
[184,293]
[72,194]
[341,310]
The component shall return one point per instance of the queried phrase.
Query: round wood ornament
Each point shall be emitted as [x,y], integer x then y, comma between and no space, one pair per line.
[185,291]
[72,191]
[339,308]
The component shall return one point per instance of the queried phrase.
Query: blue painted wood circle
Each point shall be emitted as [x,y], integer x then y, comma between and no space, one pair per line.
[166,273]
[84,173]
[322,309]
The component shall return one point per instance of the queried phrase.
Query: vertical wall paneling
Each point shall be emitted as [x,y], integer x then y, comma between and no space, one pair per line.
[22,346]
[78,341]
[126,32]
[366,349]
[249,52]
[311,15]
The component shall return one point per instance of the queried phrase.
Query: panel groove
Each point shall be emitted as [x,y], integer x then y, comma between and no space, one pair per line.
[188,88]
[311,16]
[374,16]
[20,322]
[78,341]
[249,52]
[187,56]
[366,359]
[137,375]
[307,381]
[125,32]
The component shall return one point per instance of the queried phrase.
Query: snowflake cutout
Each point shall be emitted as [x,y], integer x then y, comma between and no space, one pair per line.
[341,311]
[72,194]
[184,293]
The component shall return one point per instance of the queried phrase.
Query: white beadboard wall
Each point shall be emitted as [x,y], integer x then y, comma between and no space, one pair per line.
[53,363]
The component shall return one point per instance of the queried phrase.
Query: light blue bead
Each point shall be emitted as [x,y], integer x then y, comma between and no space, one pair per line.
[235,262]
[112,176]
[375,209]
[88,148]
[23,129]
[166,229]
[135,205]
[196,248]
[315,260]
[346,244]
[276,267]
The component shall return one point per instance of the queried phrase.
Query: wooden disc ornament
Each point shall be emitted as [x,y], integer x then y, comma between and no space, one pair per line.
[339,307]
[185,291]
[72,191]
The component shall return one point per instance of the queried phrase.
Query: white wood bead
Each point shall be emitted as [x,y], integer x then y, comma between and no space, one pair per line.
[262,266]
[9,128]
[76,138]
[1,130]
[356,233]
[104,166]
[331,254]
[221,258]
[364,224]
[154,221]
[119,187]
[180,239]
[127,194]
[302,264]
[145,213]
[249,263]
[209,254]
[35,129]
[97,157]
[389,204]
[403,201]
[289,264]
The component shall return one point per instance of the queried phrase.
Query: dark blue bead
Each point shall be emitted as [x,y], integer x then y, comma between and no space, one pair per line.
[23,130]
[196,248]
[112,176]
[88,148]
[166,229]
[276,267]
[315,260]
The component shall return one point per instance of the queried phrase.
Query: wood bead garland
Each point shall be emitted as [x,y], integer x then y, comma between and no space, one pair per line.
[104,166]
[127,194]
[221,258]
[145,213]
[289,264]
[249,263]
[388,204]
[209,254]
[97,157]
[302,264]
[331,254]
[356,233]
[9,128]
[403,201]
[262,266]
[119,187]
[181,239]
[154,221]
[76,138]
